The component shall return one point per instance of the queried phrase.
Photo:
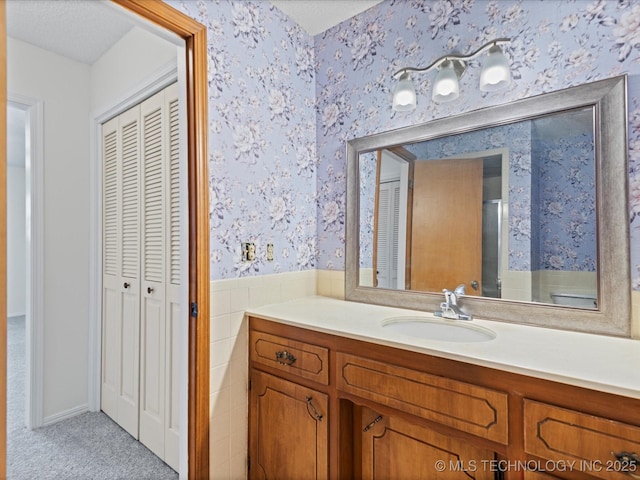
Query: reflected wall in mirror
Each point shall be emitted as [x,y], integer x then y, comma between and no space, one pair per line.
[524,203]
[509,211]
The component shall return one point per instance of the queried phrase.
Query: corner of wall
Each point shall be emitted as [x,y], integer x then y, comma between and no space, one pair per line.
[331,283]
[635,315]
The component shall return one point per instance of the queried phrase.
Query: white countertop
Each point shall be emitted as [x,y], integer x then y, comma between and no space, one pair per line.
[608,364]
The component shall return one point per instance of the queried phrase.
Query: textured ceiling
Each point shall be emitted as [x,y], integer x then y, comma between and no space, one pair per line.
[78,29]
[316,16]
[83,30]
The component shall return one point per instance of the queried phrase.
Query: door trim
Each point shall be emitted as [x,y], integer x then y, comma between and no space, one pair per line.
[195,37]
[34,345]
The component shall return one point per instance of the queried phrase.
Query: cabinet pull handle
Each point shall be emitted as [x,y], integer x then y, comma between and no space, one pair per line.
[126,285]
[372,424]
[629,463]
[315,413]
[285,358]
[149,289]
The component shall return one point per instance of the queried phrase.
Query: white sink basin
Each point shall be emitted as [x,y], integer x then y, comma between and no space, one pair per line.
[442,330]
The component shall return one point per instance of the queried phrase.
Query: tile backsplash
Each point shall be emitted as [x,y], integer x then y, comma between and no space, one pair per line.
[229,354]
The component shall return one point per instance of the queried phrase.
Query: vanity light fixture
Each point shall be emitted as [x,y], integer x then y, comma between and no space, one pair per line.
[495,75]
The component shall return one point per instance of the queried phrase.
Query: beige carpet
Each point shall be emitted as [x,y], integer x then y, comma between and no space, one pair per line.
[89,446]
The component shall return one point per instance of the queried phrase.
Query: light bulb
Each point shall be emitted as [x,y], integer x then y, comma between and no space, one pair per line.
[495,73]
[404,94]
[446,86]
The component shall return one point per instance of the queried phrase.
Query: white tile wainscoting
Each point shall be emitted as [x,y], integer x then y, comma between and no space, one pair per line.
[228,388]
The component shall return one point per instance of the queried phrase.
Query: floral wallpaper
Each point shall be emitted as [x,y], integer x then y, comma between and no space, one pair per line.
[282,104]
[555,44]
[263,161]
[565,191]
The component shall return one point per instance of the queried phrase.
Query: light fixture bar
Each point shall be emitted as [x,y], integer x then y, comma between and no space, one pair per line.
[461,58]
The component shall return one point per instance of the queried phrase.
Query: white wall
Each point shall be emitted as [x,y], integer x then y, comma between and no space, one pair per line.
[126,65]
[70,91]
[63,86]
[16,242]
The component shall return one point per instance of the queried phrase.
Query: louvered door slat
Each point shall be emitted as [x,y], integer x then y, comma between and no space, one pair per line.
[110,202]
[395,231]
[153,197]
[174,194]
[131,200]
[382,255]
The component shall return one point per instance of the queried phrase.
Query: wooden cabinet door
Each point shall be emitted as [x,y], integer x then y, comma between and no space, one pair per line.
[393,448]
[288,430]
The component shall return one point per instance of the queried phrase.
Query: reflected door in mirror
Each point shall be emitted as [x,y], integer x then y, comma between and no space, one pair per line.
[446,225]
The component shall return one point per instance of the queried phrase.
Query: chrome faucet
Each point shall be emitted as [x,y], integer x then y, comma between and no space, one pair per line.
[449,308]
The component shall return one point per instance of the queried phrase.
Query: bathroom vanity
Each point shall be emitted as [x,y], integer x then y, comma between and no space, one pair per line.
[336,394]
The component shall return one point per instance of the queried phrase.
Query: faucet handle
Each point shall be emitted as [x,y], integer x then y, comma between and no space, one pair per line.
[460,290]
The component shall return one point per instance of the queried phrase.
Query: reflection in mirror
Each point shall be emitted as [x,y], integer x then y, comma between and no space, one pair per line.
[439,213]
[525,203]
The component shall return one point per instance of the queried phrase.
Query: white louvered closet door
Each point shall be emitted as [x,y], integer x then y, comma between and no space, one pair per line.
[153,321]
[111,278]
[388,218]
[121,283]
[142,272]
[174,309]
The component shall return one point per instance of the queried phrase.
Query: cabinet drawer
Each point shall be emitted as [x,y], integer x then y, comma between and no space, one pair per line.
[560,434]
[302,359]
[470,408]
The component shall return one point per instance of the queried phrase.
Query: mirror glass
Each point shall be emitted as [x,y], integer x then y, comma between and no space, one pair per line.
[524,203]
[509,211]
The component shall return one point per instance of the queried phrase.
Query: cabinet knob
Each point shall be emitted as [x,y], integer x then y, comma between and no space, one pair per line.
[149,289]
[126,285]
[285,358]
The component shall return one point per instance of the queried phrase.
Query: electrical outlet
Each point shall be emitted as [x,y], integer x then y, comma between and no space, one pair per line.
[269,252]
[248,252]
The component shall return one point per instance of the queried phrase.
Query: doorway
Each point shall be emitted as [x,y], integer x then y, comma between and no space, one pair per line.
[194,36]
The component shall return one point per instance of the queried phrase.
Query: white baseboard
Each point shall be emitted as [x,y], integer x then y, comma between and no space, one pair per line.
[65,415]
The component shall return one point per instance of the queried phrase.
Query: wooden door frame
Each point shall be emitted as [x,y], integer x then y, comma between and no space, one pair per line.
[195,37]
